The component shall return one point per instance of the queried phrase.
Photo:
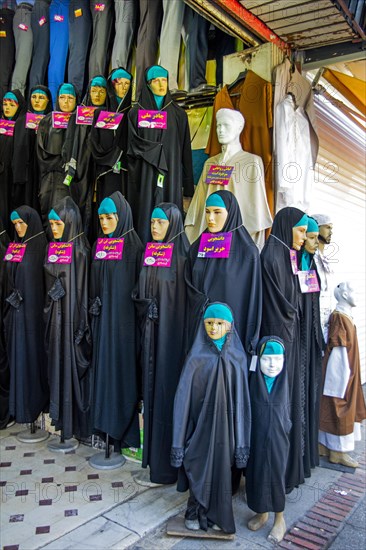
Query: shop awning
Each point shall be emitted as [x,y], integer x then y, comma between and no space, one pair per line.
[353,89]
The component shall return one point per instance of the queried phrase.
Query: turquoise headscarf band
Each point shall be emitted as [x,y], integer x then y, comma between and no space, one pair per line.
[156,71]
[53,215]
[313,227]
[67,89]
[304,221]
[218,311]
[159,214]
[38,91]
[10,95]
[269,382]
[14,216]
[220,342]
[120,73]
[305,261]
[107,206]
[99,81]
[215,200]
[273,348]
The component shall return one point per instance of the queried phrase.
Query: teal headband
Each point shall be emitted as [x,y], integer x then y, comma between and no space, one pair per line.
[218,311]
[15,216]
[99,81]
[156,72]
[53,215]
[215,200]
[304,221]
[120,73]
[159,213]
[38,91]
[10,95]
[107,206]
[273,348]
[67,89]
[313,227]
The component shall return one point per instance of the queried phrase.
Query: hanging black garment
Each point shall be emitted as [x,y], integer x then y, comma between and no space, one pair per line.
[51,165]
[24,326]
[281,317]
[269,444]
[159,161]
[25,163]
[68,339]
[211,425]
[115,392]
[160,299]
[4,365]
[235,280]
[6,172]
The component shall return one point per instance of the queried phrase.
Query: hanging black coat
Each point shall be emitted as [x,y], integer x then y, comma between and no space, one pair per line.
[51,165]
[6,171]
[24,327]
[281,317]
[235,280]
[115,393]
[212,423]
[68,339]
[160,299]
[154,152]
[4,365]
[25,162]
[269,444]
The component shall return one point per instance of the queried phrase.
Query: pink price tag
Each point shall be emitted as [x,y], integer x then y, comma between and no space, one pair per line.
[15,252]
[158,254]
[308,281]
[99,7]
[108,120]
[215,245]
[152,119]
[23,27]
[42,21]
[109,248]
[59,253]
[60,120]
[58,18]
[84,115]
[32,120]
[219,175]
[7,127]
[293,259]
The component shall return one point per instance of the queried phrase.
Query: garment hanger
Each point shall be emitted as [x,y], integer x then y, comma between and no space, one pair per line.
[241,76]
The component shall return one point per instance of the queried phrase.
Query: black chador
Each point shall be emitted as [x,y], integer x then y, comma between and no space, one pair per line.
[68,339]
[281,317]
[160,299]
[269,444]
[235,280]
[159,160]
[23,320]
[4,365]
[51,165]
[211,427]
[115,393]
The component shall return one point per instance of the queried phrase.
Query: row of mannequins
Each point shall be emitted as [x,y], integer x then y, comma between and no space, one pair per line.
[194,332]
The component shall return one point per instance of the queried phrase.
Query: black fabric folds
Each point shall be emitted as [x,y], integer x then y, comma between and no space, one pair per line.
[4,365]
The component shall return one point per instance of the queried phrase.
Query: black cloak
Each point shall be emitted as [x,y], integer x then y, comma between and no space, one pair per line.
[115,394]
[68,339]
[154,153]
[160,299]
[212,424]
[4,365]
[269,444]
[6,171]
[235,280]
[24,327]
[281,317]
[51,165]
[25,163]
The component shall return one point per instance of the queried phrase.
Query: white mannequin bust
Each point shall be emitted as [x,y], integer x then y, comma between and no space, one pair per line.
[345,295]
[229,126]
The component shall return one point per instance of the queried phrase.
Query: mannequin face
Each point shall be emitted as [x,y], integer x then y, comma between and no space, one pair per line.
[67,103]
[216,328]
[271,365]
[20,227]
[159,228]
[312,243]
[326,232]
[98,95]
[159,86]
[10,107]
[227,130]
[349,295]
[298,236]
[108,223]
[216,218]
[121,86]
[57,228]
[39,102]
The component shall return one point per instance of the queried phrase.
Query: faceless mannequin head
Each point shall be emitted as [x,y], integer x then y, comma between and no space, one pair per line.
[10,105]
[19,225]
[229,125]
[218,321]
[159,224]
[272,359]
[39,101]
[345,294]
[67,98]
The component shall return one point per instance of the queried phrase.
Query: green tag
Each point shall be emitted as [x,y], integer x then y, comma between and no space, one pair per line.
[117,167]
[160,182]
[67,180]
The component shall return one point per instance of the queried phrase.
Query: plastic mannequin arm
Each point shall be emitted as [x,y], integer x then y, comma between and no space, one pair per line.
[337,374]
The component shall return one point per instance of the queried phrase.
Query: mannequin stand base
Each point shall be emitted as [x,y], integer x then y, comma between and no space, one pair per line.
[100,462]
[177,528]
[28,437]
[58,446]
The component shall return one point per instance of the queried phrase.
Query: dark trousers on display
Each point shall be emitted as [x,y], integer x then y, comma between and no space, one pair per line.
[126,12]
[59,44]
[196,30]
[151,15]
[23,36]
[80,27]
[170,38]
[7,49]
[40,19]
[102,16]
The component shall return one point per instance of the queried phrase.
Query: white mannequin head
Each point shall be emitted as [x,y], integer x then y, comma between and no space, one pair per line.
[229,126]
[345,295]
